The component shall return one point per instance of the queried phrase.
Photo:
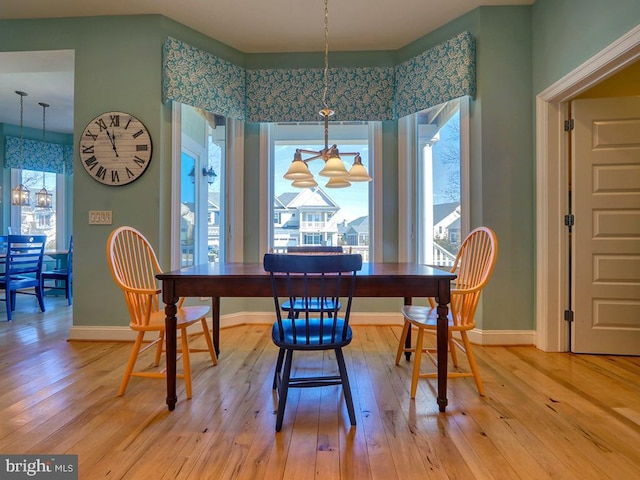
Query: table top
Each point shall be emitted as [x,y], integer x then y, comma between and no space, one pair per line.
[250,280]
[244,270]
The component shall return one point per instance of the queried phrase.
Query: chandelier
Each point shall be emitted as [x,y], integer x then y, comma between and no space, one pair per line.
[20,194]
[43,198]
[334,168]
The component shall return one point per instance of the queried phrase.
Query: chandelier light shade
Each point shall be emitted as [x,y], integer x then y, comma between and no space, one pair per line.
[20,194]
[334,167]
[358,172]
[43,197]
[305,183]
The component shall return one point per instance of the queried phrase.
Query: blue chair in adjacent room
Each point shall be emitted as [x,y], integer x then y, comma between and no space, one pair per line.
[61,278]
[23,269]
[301,329]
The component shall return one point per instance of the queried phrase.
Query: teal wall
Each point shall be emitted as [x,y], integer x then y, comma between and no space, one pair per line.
[567,33]
[517,56]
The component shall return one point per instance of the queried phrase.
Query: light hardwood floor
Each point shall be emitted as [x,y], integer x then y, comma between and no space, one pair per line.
[545,416]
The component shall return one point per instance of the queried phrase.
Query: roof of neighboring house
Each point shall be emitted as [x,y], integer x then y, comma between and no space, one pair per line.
[359,225]
[283,200]
[309,197]
[441,211]
[214,200]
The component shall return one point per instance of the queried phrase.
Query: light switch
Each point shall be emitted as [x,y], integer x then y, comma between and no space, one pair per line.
[100,217]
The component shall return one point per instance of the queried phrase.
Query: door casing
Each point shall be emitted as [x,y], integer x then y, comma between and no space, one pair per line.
[552,157]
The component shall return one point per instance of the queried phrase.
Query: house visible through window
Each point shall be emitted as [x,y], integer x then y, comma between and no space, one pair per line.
[319,215]
[439,165]
[202,163]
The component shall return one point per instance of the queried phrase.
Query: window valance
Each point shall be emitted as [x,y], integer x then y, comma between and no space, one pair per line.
[202,80]
[54,158]
[355,94]
[440,74]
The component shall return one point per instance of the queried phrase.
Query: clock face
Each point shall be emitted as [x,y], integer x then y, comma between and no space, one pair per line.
[115,148]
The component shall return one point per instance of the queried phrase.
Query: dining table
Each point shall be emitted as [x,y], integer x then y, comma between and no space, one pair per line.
[237,280]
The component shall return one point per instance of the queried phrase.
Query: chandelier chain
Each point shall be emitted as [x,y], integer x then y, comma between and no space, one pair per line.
[326,53]
[21,117]
[44,145]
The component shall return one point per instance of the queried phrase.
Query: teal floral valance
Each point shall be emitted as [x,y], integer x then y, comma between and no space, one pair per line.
[355,94]
[54,158]
[438,75]
[203,80]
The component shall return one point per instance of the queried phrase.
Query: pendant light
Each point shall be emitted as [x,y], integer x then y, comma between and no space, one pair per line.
[43,197]
[20,194]
[334,168]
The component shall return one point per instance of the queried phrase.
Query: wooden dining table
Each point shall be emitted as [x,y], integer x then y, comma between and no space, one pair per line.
[219,280]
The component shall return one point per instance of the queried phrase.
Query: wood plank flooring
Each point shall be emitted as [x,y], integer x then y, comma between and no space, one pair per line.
[545,416]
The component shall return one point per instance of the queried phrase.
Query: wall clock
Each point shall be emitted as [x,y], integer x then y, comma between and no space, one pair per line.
[115,148]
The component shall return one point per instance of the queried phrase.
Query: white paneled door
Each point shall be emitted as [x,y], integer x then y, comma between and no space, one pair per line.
[606,234]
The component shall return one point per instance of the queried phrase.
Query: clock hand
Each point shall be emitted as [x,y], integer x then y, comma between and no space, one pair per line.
[112,139]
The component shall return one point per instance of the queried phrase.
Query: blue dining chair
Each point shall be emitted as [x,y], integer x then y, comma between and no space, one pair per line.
[23,269]
[62,278]
[303,329]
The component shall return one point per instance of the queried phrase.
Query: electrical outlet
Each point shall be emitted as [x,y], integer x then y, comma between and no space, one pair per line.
[100,217]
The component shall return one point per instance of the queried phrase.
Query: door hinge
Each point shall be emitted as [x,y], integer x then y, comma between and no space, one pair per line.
[568,125]
[569,220]
[568,315]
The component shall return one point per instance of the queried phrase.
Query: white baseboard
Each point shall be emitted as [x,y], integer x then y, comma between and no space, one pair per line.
[502,337]
[479,337]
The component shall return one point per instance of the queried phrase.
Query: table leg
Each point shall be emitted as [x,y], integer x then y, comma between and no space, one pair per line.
[171,352]
[443,345]
[215,319]
[407,342]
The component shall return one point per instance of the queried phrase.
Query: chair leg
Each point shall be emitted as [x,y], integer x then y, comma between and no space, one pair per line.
[207,337]
[452,350]
[346,389]
[283,389]
[67,284]
[416,362]
[403,338]
[186,361]
[472,362]
[278,368]
[40,295]
[156,360]
[9,306]
[132,362]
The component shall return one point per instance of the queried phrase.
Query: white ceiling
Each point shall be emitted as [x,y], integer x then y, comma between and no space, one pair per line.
[251,26]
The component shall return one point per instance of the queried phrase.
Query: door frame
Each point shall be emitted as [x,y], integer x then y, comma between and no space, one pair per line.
[552,180]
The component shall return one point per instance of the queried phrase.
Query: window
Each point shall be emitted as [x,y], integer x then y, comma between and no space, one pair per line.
[319,215]
[201,171]
[312,239]
[439,171]
[31,219]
